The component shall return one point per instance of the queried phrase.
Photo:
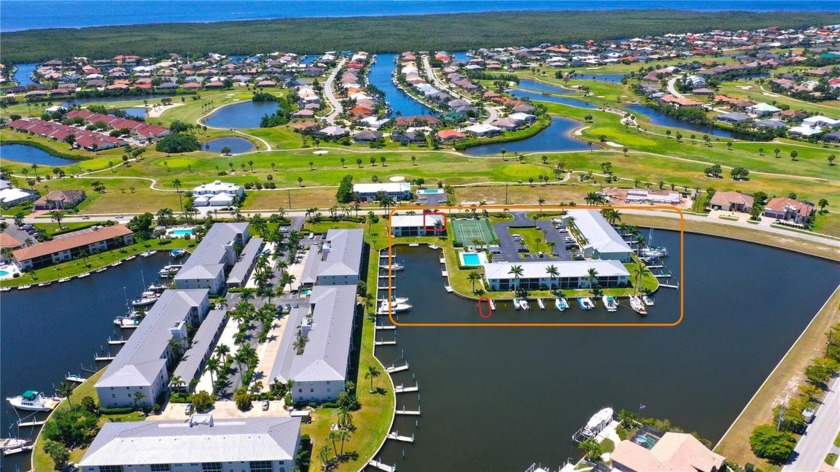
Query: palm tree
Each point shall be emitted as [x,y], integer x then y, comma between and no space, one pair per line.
[57,216]
[177,184]
[177,381]
[344,435]
[473,276]
[138,397]
[64,390]
[345,418]
[592,276]
[611,215]
[290,279]
[372,373]
[552,274]
[213,368]
[517,272]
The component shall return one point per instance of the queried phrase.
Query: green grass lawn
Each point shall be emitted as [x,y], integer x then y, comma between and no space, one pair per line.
[533,238]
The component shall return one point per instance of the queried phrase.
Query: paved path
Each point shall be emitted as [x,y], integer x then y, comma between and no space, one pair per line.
[819,437]
[672,89]
[330,95]
[493,113]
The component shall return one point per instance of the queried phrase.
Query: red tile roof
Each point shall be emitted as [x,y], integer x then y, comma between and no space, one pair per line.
[81,238]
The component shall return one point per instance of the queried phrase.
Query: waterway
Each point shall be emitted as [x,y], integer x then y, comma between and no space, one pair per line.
[532,388]
[137,112]
[539,97]
[28,14]
[661,119]
[32,155]
[23,74]
[50,331]
[240,115]
[236,145]
[557,137]
[401,104]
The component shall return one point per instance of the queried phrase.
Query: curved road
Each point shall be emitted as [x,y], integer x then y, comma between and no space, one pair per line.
[430,72]
[329,94]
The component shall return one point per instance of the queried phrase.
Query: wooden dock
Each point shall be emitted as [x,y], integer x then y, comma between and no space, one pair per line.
[382,466]
[405,412]
[395,435]
[403,389]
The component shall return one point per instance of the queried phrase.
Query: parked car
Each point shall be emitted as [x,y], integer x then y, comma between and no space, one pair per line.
[189,409]
[265,405]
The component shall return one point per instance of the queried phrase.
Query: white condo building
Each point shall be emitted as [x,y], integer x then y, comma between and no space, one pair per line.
[599,239]
[572,274]
[208,265]
[395,190]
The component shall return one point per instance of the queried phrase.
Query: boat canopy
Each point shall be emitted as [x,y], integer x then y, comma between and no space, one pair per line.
[30,395]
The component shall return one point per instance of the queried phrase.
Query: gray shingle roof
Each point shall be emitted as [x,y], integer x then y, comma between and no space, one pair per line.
[179,442]
[246,259]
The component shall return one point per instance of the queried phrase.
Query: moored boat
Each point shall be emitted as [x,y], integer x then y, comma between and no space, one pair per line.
[586,303]
[647,300]
[148,253]
[610,303]
[637,305]
[83,275]
[384,308]
[101,269]
[63,279]
[169,270]
[524,304]
[45,284]
[31,400]
[541,303]
[11,446]
[395,300]
[24,287]
[74,378]
[517,303]
[5,289]
[561,304]
[395,267]
[177,253]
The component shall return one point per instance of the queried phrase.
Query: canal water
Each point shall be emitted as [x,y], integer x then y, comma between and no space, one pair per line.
[557,137]
[236,145]
[400,103]
[240,115]
[23,74]
[537,96]
[32,155]
[499,399]
[50,331]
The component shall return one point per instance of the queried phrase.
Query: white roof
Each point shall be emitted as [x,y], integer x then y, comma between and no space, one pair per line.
[764,107]
[537,269]
[409,221]
[599,234]
[216,187]
[392,187]
[821,120]
[805,130]
[181,442]
[481,128]
[13,194]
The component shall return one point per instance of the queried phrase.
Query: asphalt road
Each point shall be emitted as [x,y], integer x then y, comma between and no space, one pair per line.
[330,95]
[818,439]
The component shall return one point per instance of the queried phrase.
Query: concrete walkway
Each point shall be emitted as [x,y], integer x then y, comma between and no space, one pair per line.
[818,439]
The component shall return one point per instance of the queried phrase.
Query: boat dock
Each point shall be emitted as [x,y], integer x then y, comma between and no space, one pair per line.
[27,424]
[403,389]
[385,343]
[117,342]
[444,273]
[382,466]
[670,285]
[103,358]
[385,327]
[391,369]
[396,437]
[405,412]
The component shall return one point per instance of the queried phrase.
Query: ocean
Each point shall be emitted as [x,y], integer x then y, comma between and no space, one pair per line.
[17,15]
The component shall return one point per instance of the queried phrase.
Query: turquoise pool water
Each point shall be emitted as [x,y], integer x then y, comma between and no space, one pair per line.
[3,273]
[182,232]
[470,259]
[430,191]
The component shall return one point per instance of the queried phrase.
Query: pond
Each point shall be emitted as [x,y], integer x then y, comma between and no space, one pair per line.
[661,119]
[536,96]
[240,115]
[137,112]
[557,137]
[400,103]
[23,74]
[32,155]
[236,145]
[600,77]
[543,87]
[541,384]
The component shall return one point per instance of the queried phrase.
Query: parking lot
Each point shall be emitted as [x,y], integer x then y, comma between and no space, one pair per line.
[509,248]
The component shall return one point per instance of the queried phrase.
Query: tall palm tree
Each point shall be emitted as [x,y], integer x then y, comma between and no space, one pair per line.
[138,397]
[344,435]
[64,390]
[333,437]
[473,276]
[592,276]
[372,373]
[213,367]
[345,418]
[517,272]
[290,279]
[177,381]
[177,184]
[552,274]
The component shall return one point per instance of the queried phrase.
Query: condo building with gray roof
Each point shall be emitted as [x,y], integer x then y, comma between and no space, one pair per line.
[215,255]
[338,259]
[201,444]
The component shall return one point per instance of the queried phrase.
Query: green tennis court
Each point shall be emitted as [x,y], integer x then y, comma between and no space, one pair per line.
[467,231]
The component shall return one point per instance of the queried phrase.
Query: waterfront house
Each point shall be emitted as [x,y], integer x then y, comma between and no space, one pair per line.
[218,252]
[762,109]
[597,238]
[396,190]
[140,371]
[320,366]
[671,452]
[734,118]
[427,224]
[572,274]
[337,261]
[788,209]
[731,201]
[60,200]
[70,246]
[199,445]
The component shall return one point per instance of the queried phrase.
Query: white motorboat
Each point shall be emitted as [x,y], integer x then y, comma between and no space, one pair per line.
[31,400]
[524,304]
[11,446]
[647,300]
[395,300]
[74,378]
[610,303]
[395,267]
[157,288]
[586,303]
[169,270]
[146,299]
[638,305]
[561,304]
[541,303]
[385,308]
[148,253]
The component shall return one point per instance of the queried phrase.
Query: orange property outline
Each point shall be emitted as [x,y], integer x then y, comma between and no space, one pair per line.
[536,208]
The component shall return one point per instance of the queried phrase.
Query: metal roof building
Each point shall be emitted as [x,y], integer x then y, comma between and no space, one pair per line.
[602,241]
[200,347]
[337,261]
[242,269]
[267,444]
[206,266]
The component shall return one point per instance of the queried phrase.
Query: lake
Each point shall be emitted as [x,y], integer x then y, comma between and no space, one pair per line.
[557,137]
[401,104]
[236,145]
[137,112]
[536,96]
[32,155]
[240,115]
[543,87]
[50,331]
[536,386]
[26,14]
[661,119]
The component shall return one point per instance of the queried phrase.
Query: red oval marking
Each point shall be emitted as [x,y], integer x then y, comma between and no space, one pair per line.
[489,308]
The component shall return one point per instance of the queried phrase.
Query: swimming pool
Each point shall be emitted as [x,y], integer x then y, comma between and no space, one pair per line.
[182,232]
[471,259]
[430,191]
[3,273]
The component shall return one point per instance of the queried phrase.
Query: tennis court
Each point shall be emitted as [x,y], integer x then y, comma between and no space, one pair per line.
[467,231]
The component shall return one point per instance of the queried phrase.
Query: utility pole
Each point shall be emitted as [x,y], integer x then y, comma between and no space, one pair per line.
[506,193]
[289,193]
